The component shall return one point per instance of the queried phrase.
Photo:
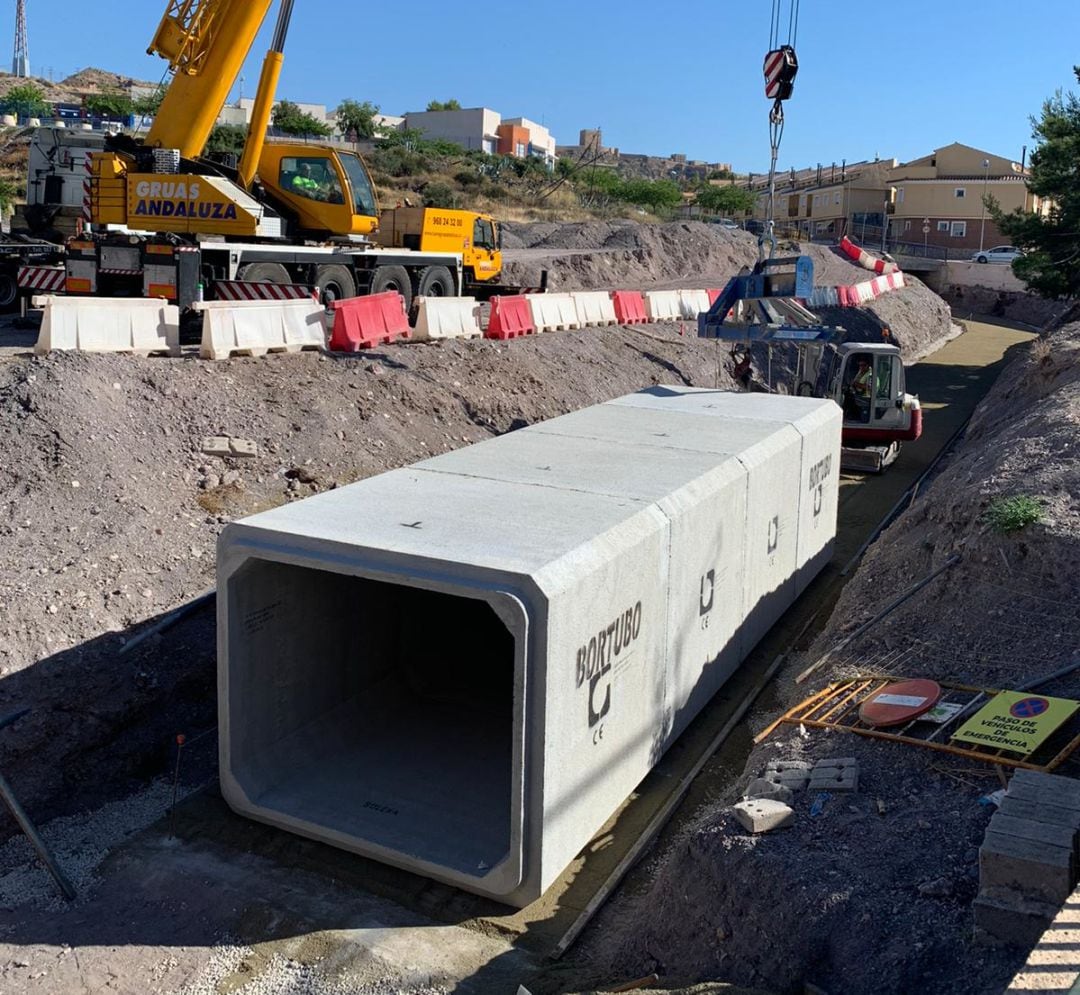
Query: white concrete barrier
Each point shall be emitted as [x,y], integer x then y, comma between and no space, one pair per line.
[553,312]
[693,302]
[472,697]
[663,305]
[595,308]
[447,318]
[255,328]
[108,324]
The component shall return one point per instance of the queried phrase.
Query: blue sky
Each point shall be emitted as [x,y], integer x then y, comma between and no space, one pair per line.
[875,79]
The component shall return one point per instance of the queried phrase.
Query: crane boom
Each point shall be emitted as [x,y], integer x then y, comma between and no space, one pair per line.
[205,43]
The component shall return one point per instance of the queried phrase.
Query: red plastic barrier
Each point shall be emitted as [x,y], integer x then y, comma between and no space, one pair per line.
[847,296]
[629,307]
[713,295]
[364,322]
[511,317]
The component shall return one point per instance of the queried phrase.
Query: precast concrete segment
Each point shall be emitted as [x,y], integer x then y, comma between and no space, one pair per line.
[464,667]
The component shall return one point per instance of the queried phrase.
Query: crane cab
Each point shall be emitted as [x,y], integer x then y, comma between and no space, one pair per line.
[328,191]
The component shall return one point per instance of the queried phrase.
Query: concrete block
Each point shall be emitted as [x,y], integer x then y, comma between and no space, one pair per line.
[765,789]
[792,774]
[464,667]
[1052,784]
[1028,867]
[223,446]
[447,318]
[1005,918]
[1043,794]
[762,815]
[835,775]
[1040,812]
[1054,835]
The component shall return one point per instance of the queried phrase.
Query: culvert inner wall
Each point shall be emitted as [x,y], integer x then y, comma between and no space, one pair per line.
[592,581]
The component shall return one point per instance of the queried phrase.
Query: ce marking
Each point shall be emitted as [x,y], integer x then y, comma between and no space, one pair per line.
[598,734]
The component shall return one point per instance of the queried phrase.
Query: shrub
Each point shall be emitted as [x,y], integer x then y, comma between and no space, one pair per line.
[439,195]
[1011,514]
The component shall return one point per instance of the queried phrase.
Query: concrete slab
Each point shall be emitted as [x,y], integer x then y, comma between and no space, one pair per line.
[464,667]
[760,788]
[841,774]
[1011,825]
[792,774]
[1044,793]
[1053,964]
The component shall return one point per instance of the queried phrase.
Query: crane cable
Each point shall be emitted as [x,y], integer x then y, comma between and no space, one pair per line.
[781,66]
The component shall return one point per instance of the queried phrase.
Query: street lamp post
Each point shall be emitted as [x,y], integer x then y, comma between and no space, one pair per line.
[925,236]
[982,221]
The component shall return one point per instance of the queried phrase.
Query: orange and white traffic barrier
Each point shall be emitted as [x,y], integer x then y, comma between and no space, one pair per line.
[864,259]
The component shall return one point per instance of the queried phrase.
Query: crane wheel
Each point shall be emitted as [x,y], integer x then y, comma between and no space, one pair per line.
[393,279]
[335,283]
[435,281]
[264,273]
[9,292]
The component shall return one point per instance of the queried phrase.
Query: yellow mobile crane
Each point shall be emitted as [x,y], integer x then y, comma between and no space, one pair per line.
[169,221]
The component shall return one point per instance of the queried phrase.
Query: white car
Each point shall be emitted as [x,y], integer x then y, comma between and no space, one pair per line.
[998,254]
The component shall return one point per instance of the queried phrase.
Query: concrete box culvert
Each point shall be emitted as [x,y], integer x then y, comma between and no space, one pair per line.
[463,668]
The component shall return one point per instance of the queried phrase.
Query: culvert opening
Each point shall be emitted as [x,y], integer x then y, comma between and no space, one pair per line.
[379,713]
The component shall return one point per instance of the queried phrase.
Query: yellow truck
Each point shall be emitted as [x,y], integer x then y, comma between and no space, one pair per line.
[168,221]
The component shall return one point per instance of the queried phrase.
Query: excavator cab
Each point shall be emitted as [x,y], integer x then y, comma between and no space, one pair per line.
[327,190]
[867,380]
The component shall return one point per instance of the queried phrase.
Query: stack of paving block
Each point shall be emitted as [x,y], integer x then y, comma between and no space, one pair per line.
[767,801]
[1028,861]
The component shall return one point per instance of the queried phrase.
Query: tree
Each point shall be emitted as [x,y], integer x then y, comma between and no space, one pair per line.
[727,200]
[720,174]
[444,105]
[227,138]
[27,99]
[1051,263]
[290,120]
[110,104]
[356,117]
[8,192]
[654,194]
[149,105]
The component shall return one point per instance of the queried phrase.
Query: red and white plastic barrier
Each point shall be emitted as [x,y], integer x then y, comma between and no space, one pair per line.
[108,324]
[447,318]
[864,259]
[553,312]
[255,328]
[595,307]
[857,294]
[629,307]
[366,322]
[511,317]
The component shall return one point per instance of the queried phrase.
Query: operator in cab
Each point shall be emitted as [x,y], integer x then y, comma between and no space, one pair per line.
[303,184]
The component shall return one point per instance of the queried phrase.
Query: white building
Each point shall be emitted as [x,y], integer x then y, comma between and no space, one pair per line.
[472,128]
[541,141]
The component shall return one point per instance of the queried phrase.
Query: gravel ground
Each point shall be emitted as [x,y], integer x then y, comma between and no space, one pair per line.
[873,893]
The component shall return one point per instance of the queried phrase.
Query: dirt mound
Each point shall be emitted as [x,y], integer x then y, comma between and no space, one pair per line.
[109,512]
[806,904]
[626,254]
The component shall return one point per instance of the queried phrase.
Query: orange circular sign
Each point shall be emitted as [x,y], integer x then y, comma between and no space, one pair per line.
[897,704]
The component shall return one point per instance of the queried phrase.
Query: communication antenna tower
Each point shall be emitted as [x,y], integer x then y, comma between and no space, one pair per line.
[20,65]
